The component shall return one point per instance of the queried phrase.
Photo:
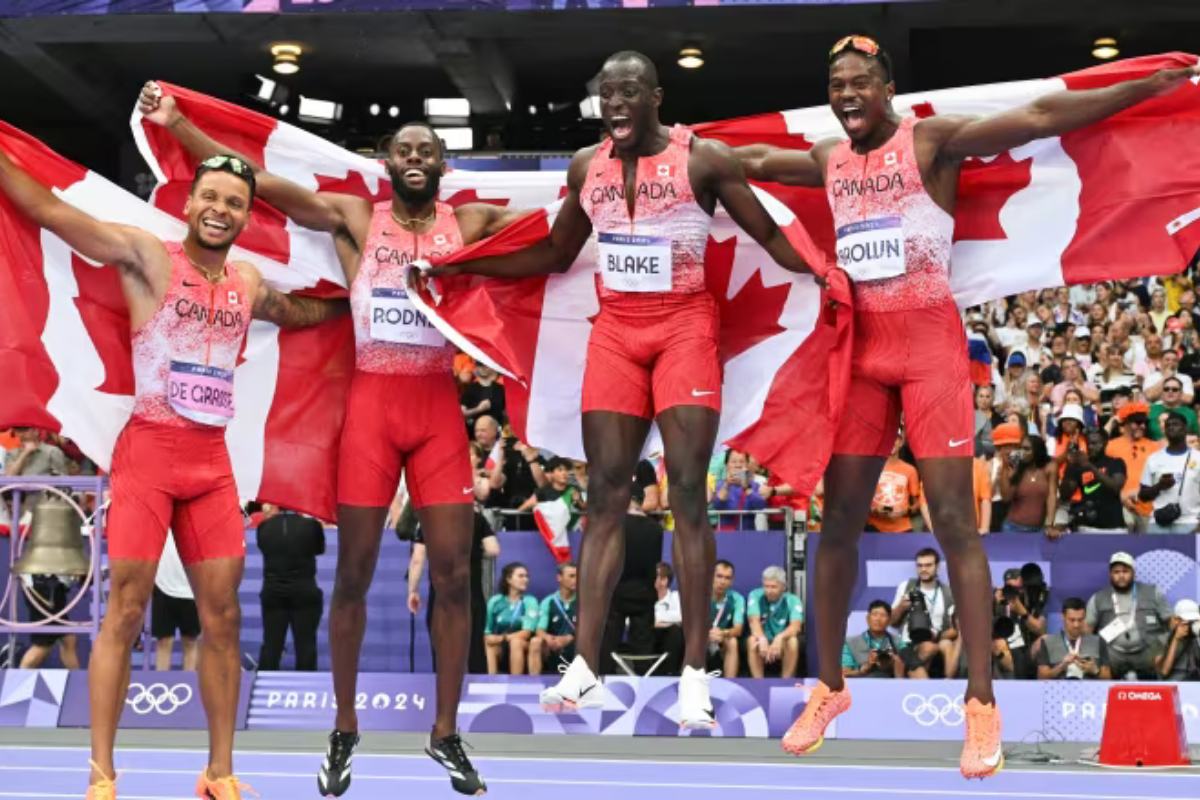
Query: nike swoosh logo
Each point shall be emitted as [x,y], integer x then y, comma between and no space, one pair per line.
[959,443]
[994,761]
[191,285]
[468,490]
[585,691]
[698,393]
[844,163]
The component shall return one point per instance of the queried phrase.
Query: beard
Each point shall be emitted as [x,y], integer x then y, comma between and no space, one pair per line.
[413,197]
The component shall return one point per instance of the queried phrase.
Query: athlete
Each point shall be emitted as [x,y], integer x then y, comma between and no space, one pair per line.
[892,189]
[648,193]
[403,414]
[189,309]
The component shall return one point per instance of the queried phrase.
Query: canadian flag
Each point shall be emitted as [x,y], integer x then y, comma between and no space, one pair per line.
[1116,200]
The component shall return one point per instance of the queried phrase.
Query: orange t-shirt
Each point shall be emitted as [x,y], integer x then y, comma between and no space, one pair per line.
[982,484]
[9,440]
[900,488]
[1134,454]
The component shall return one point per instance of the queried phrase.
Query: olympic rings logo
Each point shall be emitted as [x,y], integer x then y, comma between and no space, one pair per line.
[932,710]
[158,698]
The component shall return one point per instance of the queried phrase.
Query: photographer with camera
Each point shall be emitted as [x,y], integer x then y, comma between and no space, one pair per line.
[923,610]
[1074,654]
[1018,622]
[1132,618]
[1092,483]
[1181,661]
[1029,484]
[1172,480]
[875,653]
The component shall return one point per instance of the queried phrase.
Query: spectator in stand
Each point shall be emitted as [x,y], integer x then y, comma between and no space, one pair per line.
[1158,309]
[1111,372]
[555,635]
[1073,654]
[1132,618]
[874,653]
[740,491]
[1068,432]
[923,646]
[1072,378]
[290,543]
[1032,347]
[1007,439]
[728,622]
[986,417]
[1134,448]
[558,484]
[173,608]
[643,581]
[1017,623]
[486,481]
[1153,386]
[35,457]
[776,625]
[1172,402]
[1171,480]
[1029,485]
[1081,348]
[668,619]
[645,476]
[512,616]
[51,593]
[1180,660]
[484,396]
[1014,383]
[897,495]
[1091,485]
[1074,398]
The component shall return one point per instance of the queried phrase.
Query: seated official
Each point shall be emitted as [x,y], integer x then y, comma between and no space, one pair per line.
[1073,654]
[727,622]
[512,616]
[555,635]
[776,623]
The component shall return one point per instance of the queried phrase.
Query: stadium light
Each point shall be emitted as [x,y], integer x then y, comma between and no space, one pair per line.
[589,107]
[287,58]
[318,111]
[1105,48]
[456,138]
[691,58]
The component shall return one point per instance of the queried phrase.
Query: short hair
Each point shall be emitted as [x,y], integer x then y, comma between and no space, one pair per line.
[729,454]
[929,551]
[556,462]
[1175,415]
[1074,604]
[664,570]
[723,563]
[565,565]
[775,574]
[1172,378]
[649,71]
[487,418]
[419,124]
[230,165]
[884,604]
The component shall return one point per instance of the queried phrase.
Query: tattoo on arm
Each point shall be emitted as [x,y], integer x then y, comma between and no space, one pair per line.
[290,311]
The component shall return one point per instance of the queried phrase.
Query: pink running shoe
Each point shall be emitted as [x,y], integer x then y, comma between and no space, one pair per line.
[808,733]
[983,753]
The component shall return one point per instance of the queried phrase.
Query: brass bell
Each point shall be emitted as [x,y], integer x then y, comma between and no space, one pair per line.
[55,543]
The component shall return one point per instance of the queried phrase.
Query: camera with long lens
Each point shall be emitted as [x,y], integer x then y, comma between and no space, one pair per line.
[920,622]
[1010,593]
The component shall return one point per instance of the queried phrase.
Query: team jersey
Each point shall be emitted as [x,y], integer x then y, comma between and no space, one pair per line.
[893,240]
[775,616]
[391,336]
[659,252]
[505,616]
[184,356]
[728,613]
[557,617]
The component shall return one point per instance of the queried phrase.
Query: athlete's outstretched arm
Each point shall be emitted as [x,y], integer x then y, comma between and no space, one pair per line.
[764,162]
[555,253]
[729,184]
[128,248]
[1054,115]
[324,211]
[285,310]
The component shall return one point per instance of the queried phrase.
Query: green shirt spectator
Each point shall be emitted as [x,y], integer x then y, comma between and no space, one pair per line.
[1158,409]
[775,616]
[557,617]
[505,616]
[728,613]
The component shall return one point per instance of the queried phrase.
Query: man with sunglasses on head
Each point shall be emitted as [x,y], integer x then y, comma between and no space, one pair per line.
[189,309]
[403,414]
[891,186]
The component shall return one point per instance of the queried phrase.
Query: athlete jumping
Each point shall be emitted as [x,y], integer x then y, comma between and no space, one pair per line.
[649,194]
[189,309]
[403,415]
[892,189]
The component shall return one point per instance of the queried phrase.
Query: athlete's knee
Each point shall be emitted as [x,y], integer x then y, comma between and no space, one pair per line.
[452,581]
[221,620]
[352,582]
[689,498]
[608,492]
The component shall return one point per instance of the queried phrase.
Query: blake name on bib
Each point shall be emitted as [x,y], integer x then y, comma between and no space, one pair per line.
[633,263]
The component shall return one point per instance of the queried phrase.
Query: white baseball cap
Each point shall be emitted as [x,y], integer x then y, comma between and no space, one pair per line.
[1071,411]
[1187,610]
[1122,558]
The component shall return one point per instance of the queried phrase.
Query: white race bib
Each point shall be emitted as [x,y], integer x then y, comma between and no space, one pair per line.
[1110,632]
[395,319]
[872,249]
[633,263]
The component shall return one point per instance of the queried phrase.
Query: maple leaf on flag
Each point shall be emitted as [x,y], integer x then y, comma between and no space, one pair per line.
[750,316]
[984,189]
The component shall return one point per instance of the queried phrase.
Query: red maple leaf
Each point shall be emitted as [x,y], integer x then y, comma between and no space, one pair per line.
[983,190]
[751,315]
[923,110]
[102,308]
[354,184]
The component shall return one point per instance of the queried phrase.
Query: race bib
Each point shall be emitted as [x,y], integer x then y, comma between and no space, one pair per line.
[200,393]
[395,319]
[1113,630]
[872,249]
[633,263]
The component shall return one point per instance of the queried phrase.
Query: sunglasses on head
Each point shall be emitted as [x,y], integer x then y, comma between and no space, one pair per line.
[863,44]
[234,163]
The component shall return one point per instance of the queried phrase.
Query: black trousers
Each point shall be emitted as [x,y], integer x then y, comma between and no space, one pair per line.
[298,607]
[635,603]
[477,655]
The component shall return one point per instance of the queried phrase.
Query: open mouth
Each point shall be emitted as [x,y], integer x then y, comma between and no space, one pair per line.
[621,128]
[414,177]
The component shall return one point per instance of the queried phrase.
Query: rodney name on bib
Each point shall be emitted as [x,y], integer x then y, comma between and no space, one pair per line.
[632,263]
[872,249]
[395,319]
[201,393]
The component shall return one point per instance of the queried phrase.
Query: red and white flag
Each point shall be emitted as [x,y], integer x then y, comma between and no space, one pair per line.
[1118,199]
